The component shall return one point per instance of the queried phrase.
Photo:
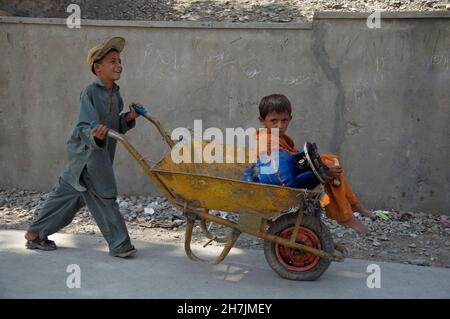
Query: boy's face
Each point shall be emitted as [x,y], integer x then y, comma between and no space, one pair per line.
[110,67]
[276,120]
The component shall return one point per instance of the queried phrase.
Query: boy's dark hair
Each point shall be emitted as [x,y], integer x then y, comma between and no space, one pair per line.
[100,60]
[277,103]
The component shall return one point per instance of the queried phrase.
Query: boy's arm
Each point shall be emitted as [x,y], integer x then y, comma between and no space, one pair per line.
[125,124]
[88,114]
[127,120]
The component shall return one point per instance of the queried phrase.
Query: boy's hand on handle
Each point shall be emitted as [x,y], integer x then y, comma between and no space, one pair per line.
[133,114]
[99,131]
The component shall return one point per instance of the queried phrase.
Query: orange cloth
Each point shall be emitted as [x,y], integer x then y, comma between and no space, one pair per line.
[324,200]
[341,197]
[283,142]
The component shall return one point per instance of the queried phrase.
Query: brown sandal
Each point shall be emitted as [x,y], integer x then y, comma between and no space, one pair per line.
[43,244]
[130,251]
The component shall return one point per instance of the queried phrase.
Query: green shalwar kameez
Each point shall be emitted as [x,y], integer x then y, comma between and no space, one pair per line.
[88,177]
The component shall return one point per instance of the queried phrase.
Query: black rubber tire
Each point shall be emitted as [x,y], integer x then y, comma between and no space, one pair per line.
[314,225]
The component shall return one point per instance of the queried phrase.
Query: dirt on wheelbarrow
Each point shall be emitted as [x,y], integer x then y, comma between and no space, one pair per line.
[408,237]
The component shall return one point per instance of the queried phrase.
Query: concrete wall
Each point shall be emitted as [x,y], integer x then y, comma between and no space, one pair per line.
[377,97]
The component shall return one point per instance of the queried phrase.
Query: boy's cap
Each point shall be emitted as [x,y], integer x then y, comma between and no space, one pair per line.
[100,50]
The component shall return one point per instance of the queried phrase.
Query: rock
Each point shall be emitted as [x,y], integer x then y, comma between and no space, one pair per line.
[383,238]
[148,211]
[123,205]
[412,245]
[420,262]
[435,228]
[376,244]
[156,207]
[445,221]
[405,216]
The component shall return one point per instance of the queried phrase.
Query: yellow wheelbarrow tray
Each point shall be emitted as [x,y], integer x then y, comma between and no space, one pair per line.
[297,245]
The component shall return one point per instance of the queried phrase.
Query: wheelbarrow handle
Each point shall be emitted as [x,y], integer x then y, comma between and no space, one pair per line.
[143,112]
[94,125]
[109,132]
[139,109]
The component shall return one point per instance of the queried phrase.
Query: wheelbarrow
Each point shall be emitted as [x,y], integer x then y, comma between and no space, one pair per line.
[297,245]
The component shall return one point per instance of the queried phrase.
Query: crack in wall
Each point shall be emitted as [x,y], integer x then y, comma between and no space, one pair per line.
[333,75]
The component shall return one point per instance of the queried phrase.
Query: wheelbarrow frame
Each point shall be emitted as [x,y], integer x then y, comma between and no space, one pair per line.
[251,223]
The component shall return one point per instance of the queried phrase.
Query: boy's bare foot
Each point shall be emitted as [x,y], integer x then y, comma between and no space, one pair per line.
[356,225]
[31,235]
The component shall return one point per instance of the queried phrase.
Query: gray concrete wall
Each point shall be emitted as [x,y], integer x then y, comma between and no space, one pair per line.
[377,97]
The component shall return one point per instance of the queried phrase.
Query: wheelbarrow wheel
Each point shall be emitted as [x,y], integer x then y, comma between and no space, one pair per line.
[293,264]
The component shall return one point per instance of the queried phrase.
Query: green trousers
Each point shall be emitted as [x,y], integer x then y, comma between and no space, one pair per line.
[64,202]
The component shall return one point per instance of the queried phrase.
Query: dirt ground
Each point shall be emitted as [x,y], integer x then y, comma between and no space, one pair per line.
[408,237]
[240,11]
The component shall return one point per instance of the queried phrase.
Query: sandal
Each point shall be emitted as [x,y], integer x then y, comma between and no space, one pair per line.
[43,244]
[127,253]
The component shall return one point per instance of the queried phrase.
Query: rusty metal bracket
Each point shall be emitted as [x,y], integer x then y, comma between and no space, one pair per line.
[231,240]
[250,223]
[190,216]
[209,235]
[342,250]
[298,222]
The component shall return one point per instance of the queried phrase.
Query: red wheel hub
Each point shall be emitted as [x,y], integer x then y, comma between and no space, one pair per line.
[294,259]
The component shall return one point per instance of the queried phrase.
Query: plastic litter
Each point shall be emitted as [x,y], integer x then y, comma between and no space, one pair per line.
[382,214]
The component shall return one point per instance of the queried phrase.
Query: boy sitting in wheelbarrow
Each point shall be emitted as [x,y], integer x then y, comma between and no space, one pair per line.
[88,177]
[275,112]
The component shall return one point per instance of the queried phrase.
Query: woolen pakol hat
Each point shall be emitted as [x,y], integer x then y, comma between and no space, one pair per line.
[100,50]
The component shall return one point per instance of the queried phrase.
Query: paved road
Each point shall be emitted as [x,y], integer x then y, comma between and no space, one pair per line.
[162,270]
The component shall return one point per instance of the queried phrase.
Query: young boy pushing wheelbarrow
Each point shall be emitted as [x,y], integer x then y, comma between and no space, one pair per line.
[88,177]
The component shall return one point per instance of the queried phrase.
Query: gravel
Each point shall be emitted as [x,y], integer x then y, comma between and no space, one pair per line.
[386,241]
[240,11]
